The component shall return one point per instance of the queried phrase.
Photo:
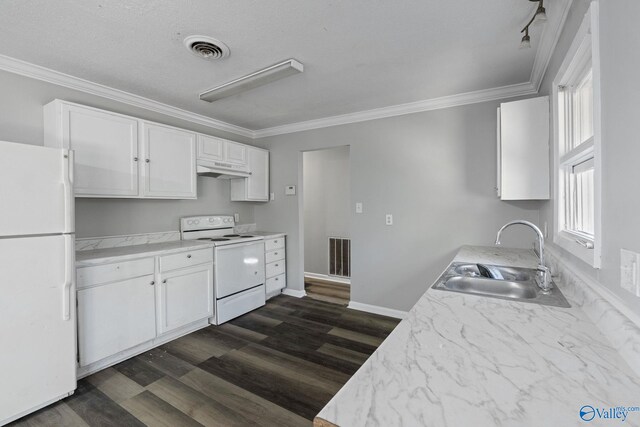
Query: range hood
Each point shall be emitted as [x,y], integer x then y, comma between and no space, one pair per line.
[221,170]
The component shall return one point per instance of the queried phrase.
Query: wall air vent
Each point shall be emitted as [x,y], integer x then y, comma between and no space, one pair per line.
[206,47]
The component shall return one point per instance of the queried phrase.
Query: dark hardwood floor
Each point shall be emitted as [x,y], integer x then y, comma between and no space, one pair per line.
[276,366]
[328,291]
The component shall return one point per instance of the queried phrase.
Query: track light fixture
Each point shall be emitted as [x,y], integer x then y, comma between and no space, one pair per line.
[539,17]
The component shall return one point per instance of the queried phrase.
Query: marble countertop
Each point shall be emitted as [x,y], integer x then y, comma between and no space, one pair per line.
[267,234]
[459,360]
[101,256]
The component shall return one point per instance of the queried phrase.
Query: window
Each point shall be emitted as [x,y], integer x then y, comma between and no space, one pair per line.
[577,145]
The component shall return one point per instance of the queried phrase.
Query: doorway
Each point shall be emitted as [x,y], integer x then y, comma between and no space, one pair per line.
[326,218]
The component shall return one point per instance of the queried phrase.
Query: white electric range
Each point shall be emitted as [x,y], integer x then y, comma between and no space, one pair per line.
[239,276]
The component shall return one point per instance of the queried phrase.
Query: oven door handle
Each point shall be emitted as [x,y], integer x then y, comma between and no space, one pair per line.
[238,245]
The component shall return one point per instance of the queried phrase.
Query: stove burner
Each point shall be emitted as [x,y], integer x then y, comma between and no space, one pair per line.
[246,237]
[217,239]
[231,235]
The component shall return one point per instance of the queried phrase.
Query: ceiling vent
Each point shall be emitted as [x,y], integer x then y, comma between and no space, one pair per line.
[206,47]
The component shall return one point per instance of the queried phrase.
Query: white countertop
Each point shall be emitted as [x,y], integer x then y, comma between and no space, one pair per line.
[122,253]
[463,360]
[267,234]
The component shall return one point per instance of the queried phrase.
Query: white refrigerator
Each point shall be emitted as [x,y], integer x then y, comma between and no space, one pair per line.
[37,278]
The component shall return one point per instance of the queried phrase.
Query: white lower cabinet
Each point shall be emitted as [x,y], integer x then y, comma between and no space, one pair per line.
[128,307]
[115,316]
[185,296]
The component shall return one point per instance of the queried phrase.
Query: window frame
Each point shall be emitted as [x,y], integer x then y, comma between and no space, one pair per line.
[584,50]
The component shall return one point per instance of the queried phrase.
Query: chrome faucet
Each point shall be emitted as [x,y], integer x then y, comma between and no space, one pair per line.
[543,276]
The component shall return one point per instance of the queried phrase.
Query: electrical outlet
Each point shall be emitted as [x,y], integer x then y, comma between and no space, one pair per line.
[290,190]
[359,207]
[630,271]
[236,217]
[388,219]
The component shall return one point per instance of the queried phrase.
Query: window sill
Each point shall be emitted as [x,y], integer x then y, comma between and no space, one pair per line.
[568,241]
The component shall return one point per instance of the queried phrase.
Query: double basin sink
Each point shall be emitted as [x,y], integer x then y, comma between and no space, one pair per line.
[509,283]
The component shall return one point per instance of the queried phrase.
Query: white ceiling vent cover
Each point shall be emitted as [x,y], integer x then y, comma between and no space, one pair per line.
[206,47]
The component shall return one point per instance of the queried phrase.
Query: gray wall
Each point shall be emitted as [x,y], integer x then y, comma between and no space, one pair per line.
[21,121]
[434,171]
[326,187]
[620,86]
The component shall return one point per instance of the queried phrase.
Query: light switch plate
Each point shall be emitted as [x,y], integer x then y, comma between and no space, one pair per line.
[630,271]
[359,207]
[388,219]
[290,190]
[272,196]
[236,217]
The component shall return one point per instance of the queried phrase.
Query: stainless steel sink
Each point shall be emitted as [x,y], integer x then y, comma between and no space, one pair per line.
[517,284]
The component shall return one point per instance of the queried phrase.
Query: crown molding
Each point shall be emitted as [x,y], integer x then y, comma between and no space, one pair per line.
[548,42]
[521,89]
[37,72]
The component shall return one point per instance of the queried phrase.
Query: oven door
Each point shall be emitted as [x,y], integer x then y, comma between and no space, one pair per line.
[238,267]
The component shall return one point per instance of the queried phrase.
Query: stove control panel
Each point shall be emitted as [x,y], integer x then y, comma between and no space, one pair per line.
[206,222]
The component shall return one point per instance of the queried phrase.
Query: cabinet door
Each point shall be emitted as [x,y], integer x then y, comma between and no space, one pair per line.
[170,162]
[115,317]
[186,295]
[235,153]
[210,148]
[524,149]
[106,151]
[258,181]
[256,187]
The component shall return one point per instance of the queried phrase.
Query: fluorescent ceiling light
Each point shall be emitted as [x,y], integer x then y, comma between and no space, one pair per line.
[253,80]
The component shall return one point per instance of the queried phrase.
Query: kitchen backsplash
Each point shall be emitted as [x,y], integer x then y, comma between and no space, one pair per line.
[91,243]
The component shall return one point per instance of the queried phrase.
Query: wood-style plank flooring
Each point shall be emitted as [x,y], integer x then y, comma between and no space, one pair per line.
[276,366]
[328,291]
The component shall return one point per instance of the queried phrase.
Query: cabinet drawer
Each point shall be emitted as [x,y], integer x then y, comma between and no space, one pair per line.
[275,268]
[275,283]
[94,275]
[273,256]
[186,259]
[272,244]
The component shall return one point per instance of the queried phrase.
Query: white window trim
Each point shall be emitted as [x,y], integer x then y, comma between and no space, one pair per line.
[588,36]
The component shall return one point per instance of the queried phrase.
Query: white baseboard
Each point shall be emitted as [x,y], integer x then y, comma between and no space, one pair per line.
[342,280]
[294,293]
[376,309]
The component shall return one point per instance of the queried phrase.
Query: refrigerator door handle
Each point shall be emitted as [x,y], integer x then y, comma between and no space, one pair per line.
[69,200]
[69,274]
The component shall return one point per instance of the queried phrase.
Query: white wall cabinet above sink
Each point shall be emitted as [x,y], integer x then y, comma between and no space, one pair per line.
[523,150]
[122,156]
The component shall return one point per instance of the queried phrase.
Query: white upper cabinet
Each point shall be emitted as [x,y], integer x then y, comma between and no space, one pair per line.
[523,150]
[235,153]
[255,188]
[169,162]
[122,156]
[105,145]
[210,148]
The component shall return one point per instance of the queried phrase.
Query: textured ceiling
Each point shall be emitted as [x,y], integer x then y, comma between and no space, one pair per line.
[358,54]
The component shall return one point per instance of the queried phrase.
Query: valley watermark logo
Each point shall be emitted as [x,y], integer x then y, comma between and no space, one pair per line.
[619,413]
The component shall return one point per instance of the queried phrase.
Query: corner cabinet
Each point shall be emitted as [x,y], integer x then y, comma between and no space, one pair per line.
[523,150]
[122,156]
[254,188]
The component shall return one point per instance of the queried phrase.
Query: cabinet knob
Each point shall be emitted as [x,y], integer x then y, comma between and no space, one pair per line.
[153,282]
[277,278]
[275,253]
[189,256]
[147,160]
[276,265]
[255,272]
[135,159]
[164,281]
